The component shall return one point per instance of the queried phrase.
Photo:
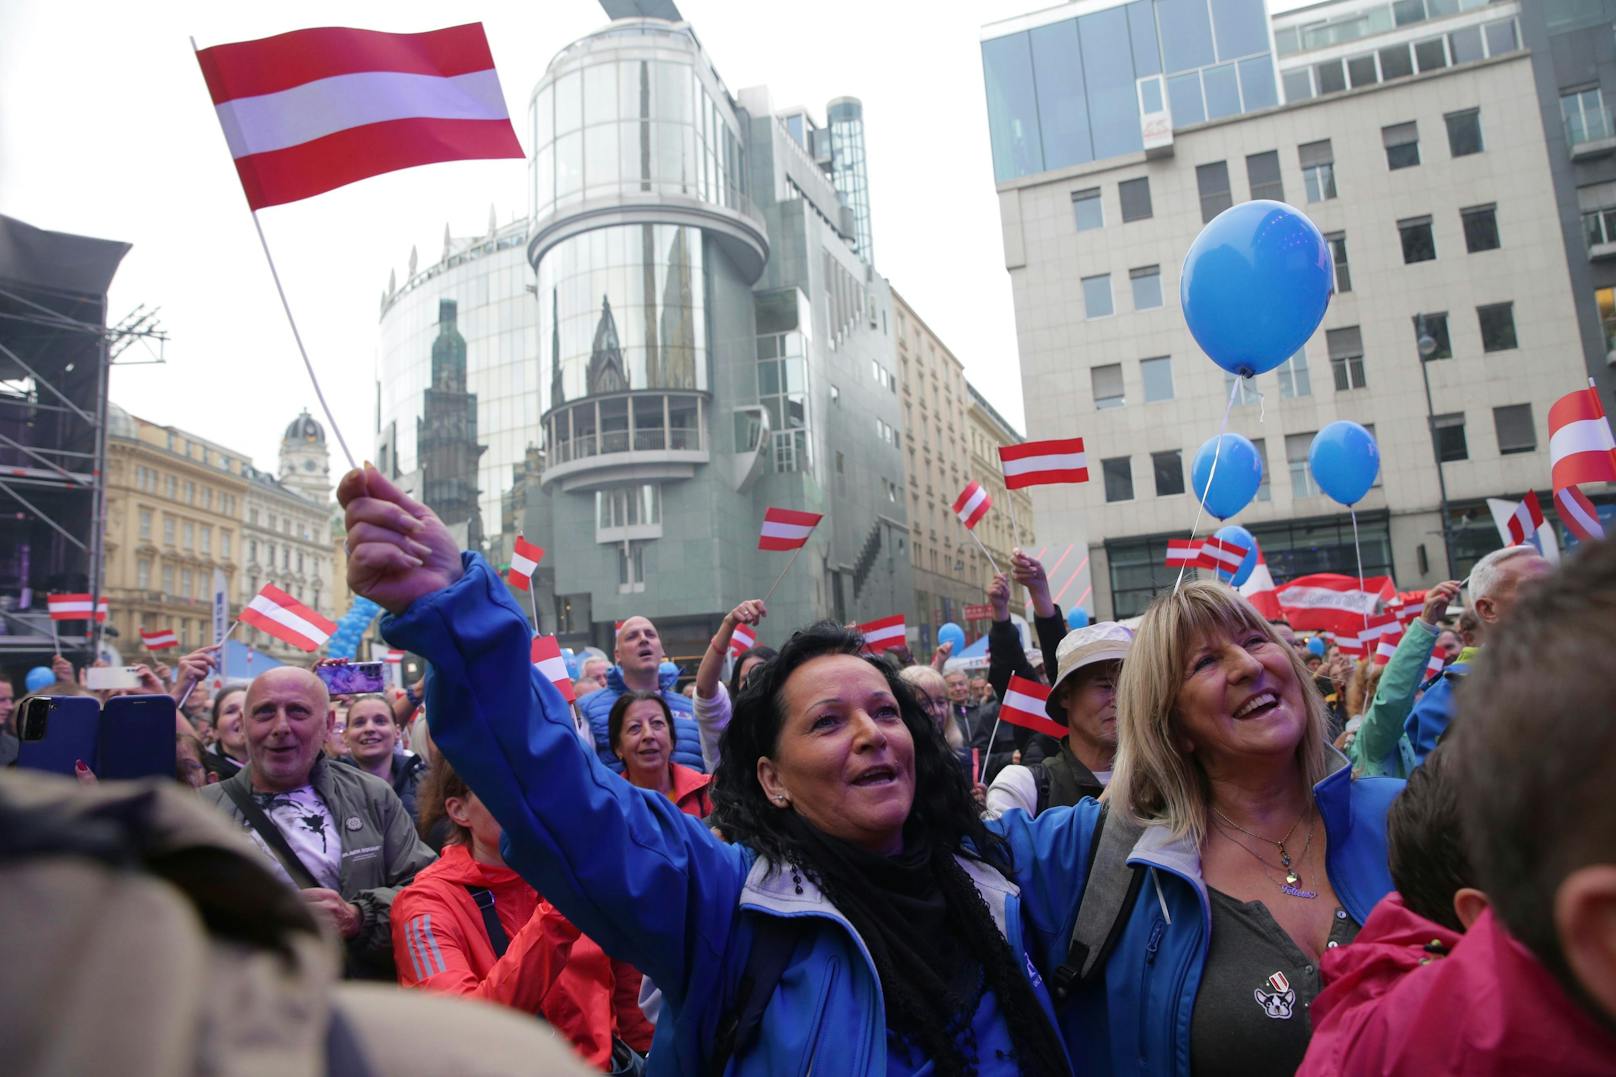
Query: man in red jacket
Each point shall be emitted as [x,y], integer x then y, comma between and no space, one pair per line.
[1530,987]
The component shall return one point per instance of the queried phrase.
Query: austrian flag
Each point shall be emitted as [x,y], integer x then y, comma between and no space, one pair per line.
[972,504]
[786,529]
[1527,519]
[1579,514]
[525,558]
[311,110]
[74,607]
[159,639]
[288,620]
[1023,705]
[1581,448]
[887,634]
[547,658]
[742,639]
[1183,553]
[1219,554]
[1038,463]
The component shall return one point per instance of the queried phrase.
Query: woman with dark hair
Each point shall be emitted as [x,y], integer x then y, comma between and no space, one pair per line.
[641,732]
[865,920]
[228,752]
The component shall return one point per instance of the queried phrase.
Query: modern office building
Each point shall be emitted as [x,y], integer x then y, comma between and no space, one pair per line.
[1412,133]
[845,117]
[1011,522]
[681,335]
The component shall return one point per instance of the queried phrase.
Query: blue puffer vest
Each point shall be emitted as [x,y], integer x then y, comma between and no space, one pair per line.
[596,708]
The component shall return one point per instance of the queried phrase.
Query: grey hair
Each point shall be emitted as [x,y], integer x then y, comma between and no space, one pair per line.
[1485,576]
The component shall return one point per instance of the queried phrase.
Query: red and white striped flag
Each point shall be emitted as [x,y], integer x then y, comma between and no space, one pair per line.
[1327,602]
[1219,553]
[1348,645]
[1183,553]
[393,658]
[1386,648]
[743,639]
[547,658]
[1579,514]
[1437,663]
[1581,448]
[1023,705]
[74,607]
[1528,517]
[525,558]
[884,635]
[311,110]
[972,504]
[159,639]
[288,620]
[786,529]
[1038,463]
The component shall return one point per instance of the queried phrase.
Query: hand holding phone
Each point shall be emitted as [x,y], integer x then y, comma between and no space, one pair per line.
[111,678]
[352,678]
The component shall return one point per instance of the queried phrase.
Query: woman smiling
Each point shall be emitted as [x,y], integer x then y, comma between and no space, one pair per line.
[642,734]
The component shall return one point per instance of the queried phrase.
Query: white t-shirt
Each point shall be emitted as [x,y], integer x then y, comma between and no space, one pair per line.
[306,823]
[1015,787]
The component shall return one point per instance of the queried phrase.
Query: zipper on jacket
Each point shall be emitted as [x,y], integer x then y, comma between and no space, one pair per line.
[819,1018]
[1153,945]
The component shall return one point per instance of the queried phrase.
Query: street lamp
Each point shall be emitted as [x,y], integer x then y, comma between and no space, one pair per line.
[1427,346]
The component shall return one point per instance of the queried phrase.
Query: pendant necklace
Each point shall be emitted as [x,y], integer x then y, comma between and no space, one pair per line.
[1293,881]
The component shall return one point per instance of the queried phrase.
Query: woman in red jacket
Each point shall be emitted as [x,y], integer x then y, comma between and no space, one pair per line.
[641,732]
[468,925]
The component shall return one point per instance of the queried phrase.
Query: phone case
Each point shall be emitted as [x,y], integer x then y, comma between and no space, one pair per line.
[137,738]
[72,729]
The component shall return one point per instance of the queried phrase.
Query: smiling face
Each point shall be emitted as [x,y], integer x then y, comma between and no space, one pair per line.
[639,650]
[287,719]
[844,760]
[1091,706]
[958,687]
[645,743]
[229,731]
[1240,700]
[370,733]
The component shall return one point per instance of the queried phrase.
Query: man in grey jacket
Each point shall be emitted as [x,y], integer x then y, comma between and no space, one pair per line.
[338,834]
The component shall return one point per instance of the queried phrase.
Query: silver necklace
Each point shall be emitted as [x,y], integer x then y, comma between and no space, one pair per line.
[1293,881]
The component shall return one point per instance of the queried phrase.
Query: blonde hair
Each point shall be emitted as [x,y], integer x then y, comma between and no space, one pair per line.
[1362,687]
[1154,782]
[928,680]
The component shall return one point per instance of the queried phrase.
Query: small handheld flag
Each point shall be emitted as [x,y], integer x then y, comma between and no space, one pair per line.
[1438,662]
[1023,705]
[159,639]
[288,620]
[1525,521]
[525,558]
[1579,514]
[1217,553]
[393,657]
[74,607]
[786,529]
[972,504]
[1036,463]
[885,634]
[1183,553]
[1581,447]
[741,640]
[547,658]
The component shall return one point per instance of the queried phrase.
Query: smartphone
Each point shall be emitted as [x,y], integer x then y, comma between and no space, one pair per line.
[136,738]
[56,731]
[111,678]
[353,678]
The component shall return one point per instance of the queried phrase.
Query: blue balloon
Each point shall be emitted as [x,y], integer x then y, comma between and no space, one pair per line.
[952,633]
[1238,476]
[1077,617]
[1344,460]
[1241,537]
[39,677]
[1316,646]
[1255,285]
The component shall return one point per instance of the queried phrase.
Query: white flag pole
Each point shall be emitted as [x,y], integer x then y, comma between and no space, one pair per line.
[188,688]
[984,549]
[783,572]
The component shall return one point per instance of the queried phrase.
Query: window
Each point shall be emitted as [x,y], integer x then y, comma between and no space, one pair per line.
[1318,170]
[190,493]
[143,573]
[1501,37]
[1294,379]
[207,497]
[1168,467]
[1135,197]
[168,529]
[1431,336]
[187,583]
[145,523]
[207,539]
[631,567]
[1296,450]
[1086,208]
[1419,245]
[1449,433]
[173,487]
[1298,84]
[168,579]
[1118,472]
[1597,201]
[1480,228]
[1402,141]
[1464,45]
[1346,358]
[1213,182]
[1265,489]
[1107,385]
[1585,117]
[300,561]
[1242,391]
[1431,54]
[1262,173]
[1513,422]
[1395,62]
[1331,77]
[1361,70]
[224,545]
[1157,374]
[1097,296]
[1338,251]
[1464,132]
[252,517]
[189,531]
[1147,287]
[1497,326]
[835,396]
[1605,301]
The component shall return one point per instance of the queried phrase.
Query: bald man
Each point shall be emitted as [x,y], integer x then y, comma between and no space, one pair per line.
[639,655]
[338,834]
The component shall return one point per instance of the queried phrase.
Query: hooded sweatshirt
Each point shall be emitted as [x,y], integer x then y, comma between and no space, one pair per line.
[1393,1007]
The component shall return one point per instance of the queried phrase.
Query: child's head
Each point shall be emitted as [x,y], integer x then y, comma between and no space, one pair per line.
[1429,864]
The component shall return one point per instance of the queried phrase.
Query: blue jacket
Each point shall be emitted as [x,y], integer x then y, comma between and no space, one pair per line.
[596,708]
[1430,717]
[1139,1021]
[648,882]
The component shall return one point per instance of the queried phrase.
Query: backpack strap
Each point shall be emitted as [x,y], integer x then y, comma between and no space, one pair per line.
[1040,780]
[771,951]
[1110,888]
[266,829]
[484,899]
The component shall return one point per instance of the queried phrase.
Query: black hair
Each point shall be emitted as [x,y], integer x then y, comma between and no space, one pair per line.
[1425,842]
[614,721]
[762,654]
[218,702]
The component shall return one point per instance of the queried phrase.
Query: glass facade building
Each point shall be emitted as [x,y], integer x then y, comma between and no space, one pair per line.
[845,115]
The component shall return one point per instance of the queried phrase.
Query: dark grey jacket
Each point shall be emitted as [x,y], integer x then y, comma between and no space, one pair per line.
[380,852]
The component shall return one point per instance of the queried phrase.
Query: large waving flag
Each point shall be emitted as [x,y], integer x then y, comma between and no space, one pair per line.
[786,529]
[1581,448]
[288,620]
[1329,602]
[1579,514]
[525,558]
[1023,705]
[311,110]
[74,607]
[972,504]
[1036,463]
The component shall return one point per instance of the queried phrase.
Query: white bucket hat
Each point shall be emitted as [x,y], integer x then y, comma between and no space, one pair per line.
[1103,641]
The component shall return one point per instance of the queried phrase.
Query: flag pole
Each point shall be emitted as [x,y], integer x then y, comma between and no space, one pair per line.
[987,756]
[972,532]
[192,686]
[533,603]
[783,572]
[56,643]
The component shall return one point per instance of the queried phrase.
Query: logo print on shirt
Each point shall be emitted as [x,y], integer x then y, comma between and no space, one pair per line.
[1281,1002]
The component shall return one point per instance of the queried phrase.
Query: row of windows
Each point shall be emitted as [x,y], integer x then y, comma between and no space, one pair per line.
[1144,282]
[1401,60]
[1366,22]
[182,533]
[286,552]
[151,481]
[178,443]
[284,524]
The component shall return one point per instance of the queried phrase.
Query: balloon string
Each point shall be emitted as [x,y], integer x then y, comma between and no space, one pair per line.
[1358,552]
[1200,502]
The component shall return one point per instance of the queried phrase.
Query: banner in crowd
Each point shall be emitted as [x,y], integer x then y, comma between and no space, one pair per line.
[221,606]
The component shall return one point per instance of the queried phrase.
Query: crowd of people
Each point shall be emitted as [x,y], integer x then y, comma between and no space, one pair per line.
[1248,853]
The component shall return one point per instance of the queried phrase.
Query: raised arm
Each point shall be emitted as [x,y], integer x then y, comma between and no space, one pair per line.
[646,881]
[1382,726]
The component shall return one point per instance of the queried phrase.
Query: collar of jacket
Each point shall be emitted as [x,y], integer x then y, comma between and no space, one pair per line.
[319,777]
[687,780]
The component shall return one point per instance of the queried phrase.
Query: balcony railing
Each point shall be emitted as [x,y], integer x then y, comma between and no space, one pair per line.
[1590,131]
[1599,228]
[623,430]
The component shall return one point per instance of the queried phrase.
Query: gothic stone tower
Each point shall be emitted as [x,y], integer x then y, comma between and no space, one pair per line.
[446,434]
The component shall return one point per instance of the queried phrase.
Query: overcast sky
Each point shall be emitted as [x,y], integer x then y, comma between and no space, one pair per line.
[106,130]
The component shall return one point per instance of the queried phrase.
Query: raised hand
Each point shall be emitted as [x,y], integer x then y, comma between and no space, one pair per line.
[194,668]
[1029,572]
[749,612]
[398,549]
[1437,600]
[999,596]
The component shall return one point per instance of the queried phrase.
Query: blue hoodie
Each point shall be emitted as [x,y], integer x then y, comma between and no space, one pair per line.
[596,708]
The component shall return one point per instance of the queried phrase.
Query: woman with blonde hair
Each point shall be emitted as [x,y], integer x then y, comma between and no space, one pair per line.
[1231,849]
